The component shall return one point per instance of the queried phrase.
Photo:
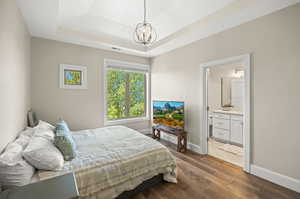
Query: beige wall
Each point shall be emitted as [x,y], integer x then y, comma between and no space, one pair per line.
[14,71]
[274,42]
[82,109]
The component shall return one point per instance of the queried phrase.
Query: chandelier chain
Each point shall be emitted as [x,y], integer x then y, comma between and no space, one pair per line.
[145,10]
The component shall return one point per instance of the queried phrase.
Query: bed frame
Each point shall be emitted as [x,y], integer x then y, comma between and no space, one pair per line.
[142,187]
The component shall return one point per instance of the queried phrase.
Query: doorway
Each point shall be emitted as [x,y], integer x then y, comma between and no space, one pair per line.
[226,105]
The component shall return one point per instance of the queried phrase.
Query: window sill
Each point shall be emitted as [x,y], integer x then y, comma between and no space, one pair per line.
[126,121]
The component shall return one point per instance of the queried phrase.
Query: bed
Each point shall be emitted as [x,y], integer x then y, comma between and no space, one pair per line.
[114,161]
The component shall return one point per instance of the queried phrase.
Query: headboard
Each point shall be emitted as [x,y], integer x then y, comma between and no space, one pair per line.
[32,119]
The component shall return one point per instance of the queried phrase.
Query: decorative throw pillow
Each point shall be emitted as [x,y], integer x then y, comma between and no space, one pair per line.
[42,154]
[14,170]
[62,125]
[64,141]
[64,144]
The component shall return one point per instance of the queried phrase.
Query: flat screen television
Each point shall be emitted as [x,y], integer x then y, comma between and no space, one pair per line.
[169,114]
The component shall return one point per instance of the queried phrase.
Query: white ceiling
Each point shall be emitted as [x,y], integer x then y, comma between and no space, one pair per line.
[119,17]
[110,23]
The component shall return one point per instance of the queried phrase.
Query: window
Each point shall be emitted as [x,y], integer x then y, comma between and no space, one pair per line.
[126,92]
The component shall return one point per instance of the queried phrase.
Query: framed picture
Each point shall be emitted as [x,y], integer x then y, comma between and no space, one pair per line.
[73,77]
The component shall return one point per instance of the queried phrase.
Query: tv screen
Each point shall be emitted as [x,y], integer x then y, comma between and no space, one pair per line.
[169,114]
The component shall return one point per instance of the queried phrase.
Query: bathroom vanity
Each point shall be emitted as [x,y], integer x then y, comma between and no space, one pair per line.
[228,127]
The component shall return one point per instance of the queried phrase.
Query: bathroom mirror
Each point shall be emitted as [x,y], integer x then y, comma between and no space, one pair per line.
[232,93]
[226,91]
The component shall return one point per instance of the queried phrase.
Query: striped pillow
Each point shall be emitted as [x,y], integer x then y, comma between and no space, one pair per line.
[64,141]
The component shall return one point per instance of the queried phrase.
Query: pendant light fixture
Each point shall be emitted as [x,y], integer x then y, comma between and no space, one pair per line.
[144,32]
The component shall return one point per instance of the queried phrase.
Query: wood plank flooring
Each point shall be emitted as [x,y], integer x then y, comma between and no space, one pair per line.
[205,177]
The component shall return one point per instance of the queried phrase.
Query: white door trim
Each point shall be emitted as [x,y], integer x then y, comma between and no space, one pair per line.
[245,59]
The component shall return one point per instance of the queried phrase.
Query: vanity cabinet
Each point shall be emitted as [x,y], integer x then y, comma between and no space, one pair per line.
[221,134]
[228,127]
[236,133]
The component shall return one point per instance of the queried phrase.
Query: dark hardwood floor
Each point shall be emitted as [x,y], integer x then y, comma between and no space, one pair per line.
[205,177]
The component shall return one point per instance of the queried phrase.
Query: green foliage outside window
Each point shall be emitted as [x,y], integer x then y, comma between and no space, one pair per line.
[125,94]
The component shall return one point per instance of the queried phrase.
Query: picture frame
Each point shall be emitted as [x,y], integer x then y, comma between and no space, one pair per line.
[72,76]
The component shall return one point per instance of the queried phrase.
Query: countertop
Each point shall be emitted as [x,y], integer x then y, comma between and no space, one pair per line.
[229,112]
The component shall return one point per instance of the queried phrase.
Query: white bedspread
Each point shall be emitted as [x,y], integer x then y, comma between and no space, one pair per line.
[115,159]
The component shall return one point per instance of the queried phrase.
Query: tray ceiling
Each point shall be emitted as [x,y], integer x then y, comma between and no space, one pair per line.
[110,23]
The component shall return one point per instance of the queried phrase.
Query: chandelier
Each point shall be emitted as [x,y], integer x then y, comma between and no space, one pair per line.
[144,32]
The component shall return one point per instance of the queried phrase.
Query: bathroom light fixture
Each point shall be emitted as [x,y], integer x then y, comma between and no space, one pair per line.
[238,73]
[144,32]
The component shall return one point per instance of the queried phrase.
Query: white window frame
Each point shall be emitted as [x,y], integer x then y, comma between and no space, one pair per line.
[130,67]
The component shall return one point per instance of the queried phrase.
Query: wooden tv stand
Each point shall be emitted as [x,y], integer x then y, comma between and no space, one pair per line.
[181,136]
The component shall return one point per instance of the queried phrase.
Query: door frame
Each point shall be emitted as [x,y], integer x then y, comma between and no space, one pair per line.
[246,61]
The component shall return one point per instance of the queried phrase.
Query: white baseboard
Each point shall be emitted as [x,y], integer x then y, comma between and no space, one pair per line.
[193,147]
[277,178]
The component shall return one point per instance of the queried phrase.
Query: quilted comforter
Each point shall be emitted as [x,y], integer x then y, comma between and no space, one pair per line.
[115,159]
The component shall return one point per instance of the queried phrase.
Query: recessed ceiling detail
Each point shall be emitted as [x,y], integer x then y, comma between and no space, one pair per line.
[111,23]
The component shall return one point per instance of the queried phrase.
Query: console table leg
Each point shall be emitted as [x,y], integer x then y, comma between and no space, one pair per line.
[178,143]
[156,134]
[181,143]
[185,144]
[153,133]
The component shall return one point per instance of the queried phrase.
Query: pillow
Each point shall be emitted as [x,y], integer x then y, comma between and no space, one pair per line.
[28,132]
[45,125]
[23,140]
[44,133]
[62,125]
[24,137]
[45,130]
[64,141]
[14,170]
[66,147]
[12,153]
[42,154]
